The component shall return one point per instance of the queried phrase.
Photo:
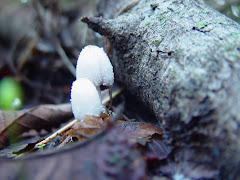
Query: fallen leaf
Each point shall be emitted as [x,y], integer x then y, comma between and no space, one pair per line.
[25,148]
[139,130]
[83,130]
[147,135]
[89,122]
[41,117]
[7,117]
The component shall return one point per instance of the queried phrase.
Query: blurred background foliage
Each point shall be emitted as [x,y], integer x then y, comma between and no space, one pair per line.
[230,8]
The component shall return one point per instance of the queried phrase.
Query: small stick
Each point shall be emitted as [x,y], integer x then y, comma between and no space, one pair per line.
[65,59]
[128,7]
[60,131]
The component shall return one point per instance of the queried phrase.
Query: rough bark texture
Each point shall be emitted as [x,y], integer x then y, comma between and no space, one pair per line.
[182,60]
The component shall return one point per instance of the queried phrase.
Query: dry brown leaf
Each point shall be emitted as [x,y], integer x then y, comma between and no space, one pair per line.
[139,130]
[7,117]
[82,133]
[38,118]
[89,122]
[25,148]
[82,130]
[148,135]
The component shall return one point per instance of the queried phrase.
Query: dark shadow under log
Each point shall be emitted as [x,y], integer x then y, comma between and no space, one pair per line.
[182,60]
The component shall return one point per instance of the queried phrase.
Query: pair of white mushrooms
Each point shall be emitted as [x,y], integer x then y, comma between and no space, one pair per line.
[93,73]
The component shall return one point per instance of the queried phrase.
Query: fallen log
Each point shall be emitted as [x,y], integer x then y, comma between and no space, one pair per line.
[182,60]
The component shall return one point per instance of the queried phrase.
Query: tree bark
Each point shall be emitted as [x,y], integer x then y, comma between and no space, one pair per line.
[182,60]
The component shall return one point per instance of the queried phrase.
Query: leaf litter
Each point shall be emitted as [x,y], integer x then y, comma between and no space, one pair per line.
[110,148]
[41,117]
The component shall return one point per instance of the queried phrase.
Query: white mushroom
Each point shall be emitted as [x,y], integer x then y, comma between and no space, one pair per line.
[85,99]
[94,64]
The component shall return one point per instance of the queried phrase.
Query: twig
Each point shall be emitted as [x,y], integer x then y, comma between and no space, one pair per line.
[64,58]
[60,131]
[128,7]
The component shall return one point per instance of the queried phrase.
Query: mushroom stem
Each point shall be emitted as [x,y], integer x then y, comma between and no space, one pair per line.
[110,95]
[99,92]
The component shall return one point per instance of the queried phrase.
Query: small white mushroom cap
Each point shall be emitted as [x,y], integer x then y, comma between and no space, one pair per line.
[94,64]
[85,99]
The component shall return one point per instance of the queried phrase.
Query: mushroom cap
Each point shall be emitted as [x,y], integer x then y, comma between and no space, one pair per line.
[94,64]
[85,99]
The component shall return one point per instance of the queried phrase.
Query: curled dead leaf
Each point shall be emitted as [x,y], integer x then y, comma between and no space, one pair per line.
[83,130]
[41,117]
[139,130]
